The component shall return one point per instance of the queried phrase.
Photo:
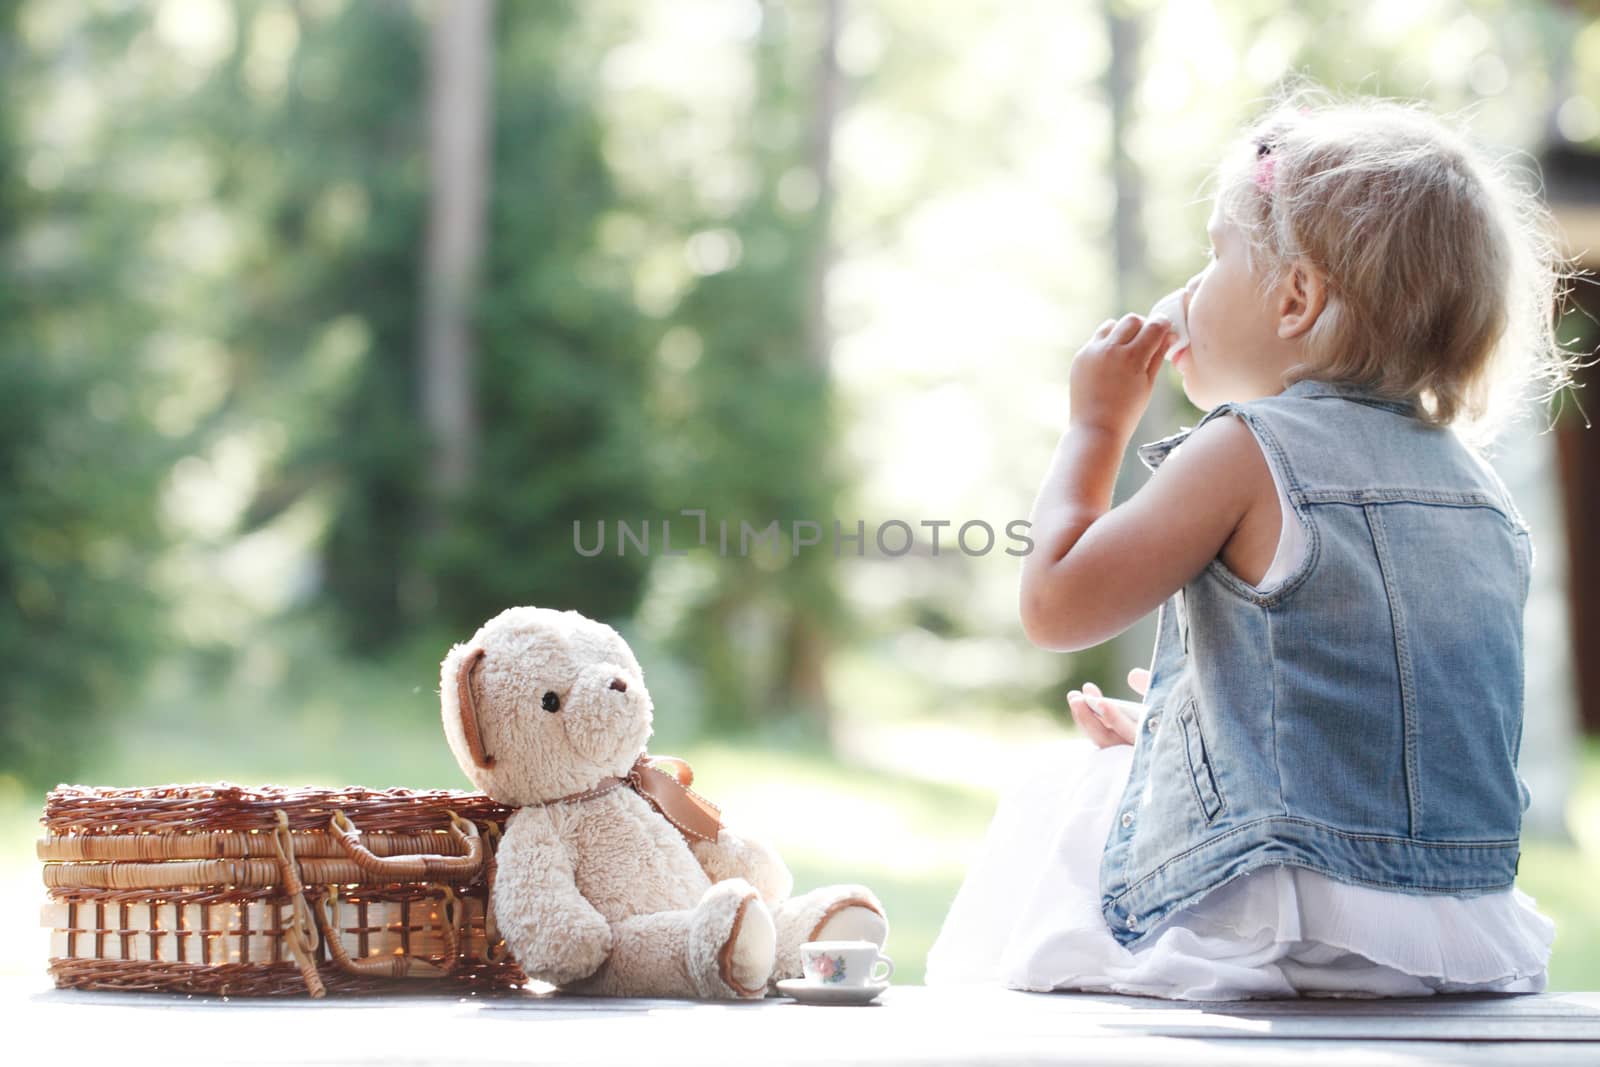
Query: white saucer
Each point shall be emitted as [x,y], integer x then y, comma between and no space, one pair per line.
[817,993]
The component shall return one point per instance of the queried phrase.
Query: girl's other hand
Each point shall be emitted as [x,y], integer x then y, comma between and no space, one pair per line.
[1105,720]
[1112,376]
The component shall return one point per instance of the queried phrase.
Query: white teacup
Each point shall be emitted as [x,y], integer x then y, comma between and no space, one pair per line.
[1171,306]
[844,963]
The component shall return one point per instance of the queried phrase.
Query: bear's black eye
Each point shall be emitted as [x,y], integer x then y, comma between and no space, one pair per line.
[551,702]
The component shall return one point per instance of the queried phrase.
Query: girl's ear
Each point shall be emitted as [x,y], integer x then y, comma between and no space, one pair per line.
[1302,295]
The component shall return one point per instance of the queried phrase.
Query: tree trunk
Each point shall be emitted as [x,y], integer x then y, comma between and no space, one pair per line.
[805,656]
[819,338]
[1131,292]
[459,108]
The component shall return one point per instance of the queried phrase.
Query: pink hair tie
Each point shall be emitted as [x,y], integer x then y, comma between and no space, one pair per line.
[1265,165]
[1263,175]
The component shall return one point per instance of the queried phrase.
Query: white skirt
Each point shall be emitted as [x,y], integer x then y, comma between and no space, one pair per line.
[1028,916]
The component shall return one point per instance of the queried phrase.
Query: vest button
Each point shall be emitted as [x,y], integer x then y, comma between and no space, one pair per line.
[1150,723]
[1133,923]
[1127,819]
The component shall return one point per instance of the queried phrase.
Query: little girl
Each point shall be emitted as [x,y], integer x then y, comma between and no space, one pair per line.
[1319,793]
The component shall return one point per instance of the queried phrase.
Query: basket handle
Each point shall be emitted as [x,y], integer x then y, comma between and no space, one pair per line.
[415,866]
[300,934]
[397,966]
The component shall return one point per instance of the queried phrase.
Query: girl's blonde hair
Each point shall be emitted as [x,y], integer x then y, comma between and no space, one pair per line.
[1441,265]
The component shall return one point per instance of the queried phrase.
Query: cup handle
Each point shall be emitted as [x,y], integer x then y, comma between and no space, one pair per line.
[886,975]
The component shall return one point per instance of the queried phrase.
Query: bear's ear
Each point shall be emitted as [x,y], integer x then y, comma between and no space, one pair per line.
[467,702]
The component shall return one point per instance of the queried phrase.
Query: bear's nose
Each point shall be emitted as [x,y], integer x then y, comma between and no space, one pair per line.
[619,685]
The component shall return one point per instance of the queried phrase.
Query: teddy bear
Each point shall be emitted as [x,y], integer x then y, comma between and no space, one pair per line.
[613,877]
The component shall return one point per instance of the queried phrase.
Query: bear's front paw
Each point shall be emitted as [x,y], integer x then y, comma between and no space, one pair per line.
[575,952]
[732,942]
[594,941]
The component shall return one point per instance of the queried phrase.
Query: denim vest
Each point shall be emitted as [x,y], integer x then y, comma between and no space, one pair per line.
[1361,718]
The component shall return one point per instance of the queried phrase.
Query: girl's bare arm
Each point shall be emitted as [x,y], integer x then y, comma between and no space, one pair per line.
[1096,570]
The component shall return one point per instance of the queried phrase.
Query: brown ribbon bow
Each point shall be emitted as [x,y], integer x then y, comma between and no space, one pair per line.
[663,781]
[696,818]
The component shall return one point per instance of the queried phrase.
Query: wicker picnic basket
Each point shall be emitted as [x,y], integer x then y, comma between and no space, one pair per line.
[232,890]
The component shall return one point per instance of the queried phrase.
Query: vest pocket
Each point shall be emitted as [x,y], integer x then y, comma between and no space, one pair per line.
[1194,749]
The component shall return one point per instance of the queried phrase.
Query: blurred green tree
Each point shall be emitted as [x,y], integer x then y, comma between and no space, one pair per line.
[563,353]
[80,465]
[337,167]
[754,438]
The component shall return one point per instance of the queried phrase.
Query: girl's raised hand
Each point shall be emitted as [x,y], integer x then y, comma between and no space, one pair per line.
[1112,376]
[1105,720]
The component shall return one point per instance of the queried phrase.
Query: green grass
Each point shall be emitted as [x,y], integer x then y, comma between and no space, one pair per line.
[1562,879]
[897,827]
